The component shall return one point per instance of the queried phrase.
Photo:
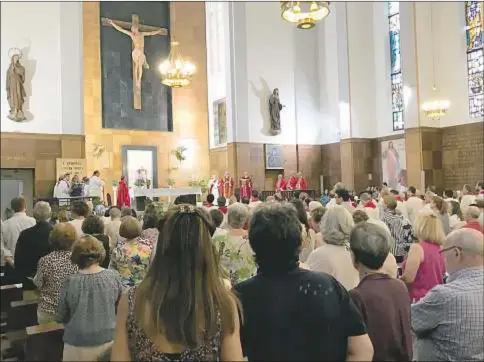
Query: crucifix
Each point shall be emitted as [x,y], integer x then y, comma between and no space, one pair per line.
[136,32]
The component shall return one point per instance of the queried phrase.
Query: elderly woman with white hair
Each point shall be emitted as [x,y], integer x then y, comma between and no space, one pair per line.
[236,255]
[334,257]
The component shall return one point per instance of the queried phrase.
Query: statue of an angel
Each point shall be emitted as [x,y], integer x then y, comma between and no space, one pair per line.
[15,86]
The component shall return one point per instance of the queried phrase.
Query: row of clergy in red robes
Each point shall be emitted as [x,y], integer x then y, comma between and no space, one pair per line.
[225,185]
[294,183]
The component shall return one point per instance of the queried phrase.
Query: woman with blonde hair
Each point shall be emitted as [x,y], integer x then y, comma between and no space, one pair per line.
[334,257]
[182,310]
[131,258]
[424,267]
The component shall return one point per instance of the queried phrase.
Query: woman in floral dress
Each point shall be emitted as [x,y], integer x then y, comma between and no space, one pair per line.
[236,255]
[131,257]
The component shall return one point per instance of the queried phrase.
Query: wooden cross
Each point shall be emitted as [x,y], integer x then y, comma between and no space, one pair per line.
[137,33]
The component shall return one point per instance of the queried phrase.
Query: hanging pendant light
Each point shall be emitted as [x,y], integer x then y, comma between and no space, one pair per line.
[176,72]
[304,13]
[435,107]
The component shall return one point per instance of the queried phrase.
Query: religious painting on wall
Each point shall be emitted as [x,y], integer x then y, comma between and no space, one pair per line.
[140,166]
[274,157]
[394,164]
[134,41]
[220,122]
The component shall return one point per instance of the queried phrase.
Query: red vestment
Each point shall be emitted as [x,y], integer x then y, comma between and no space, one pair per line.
[301,184]
[227,187]
[370,204]
[245,184]
[123,199]
[292,182]
[281,185]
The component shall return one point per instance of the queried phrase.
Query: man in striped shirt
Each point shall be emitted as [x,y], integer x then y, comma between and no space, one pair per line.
[399,227]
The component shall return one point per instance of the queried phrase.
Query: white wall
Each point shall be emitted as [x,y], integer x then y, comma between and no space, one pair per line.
[447,41]
[50,36]
[335,80]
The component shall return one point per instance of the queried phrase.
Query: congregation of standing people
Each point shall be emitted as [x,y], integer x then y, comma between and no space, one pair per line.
[385,276]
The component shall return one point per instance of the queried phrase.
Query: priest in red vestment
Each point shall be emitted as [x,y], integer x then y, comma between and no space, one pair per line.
[245,184]
[227,185]
[301,183]
[123,199]
[281,183]
[292,182]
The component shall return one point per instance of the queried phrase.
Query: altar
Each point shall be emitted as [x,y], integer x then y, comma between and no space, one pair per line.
[140,194]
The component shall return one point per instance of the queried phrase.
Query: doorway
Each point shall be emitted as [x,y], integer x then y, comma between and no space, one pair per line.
[16,182]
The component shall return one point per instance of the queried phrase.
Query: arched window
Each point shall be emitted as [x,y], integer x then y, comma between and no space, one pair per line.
[475,57]
[396,65]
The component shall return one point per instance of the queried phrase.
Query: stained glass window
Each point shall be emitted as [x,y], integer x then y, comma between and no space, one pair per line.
[396,65]
[475,57]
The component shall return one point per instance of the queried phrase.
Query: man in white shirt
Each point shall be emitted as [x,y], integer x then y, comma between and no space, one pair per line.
[12,228]
[62,189]
[414,204]
[96,185]
[467,198]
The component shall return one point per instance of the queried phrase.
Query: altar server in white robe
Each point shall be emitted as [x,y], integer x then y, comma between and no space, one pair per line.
[96,185]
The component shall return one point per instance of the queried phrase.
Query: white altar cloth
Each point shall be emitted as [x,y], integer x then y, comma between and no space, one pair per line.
[168,192]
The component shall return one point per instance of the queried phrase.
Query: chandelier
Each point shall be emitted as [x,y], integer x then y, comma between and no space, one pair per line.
[304,13]
[176,72]
[436,109]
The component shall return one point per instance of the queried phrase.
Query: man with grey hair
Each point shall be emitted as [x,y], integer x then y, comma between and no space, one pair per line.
[33,244]
[112,228]
[471,217]
[237,215]
[449,320]
[388,323]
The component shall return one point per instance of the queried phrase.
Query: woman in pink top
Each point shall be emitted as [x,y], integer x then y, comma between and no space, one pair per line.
[424,267]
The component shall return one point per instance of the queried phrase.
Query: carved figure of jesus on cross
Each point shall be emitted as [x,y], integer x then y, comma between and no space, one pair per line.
[137,34]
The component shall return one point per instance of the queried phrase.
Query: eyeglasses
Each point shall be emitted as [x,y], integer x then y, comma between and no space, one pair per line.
[450,248]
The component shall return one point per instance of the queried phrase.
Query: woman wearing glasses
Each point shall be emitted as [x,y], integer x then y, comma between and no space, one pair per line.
[424,267]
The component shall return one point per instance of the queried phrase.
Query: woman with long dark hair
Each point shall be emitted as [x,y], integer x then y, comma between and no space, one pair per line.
[182,310]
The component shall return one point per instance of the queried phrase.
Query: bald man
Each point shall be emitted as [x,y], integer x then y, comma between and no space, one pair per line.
[449,321]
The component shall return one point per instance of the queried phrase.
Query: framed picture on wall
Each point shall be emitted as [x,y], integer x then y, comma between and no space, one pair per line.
[140,166]
[220,122]
[274,157]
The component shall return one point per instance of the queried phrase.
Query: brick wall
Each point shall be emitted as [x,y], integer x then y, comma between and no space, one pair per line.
[463,155]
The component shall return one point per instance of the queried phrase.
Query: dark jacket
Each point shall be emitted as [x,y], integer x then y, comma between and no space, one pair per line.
[32,244]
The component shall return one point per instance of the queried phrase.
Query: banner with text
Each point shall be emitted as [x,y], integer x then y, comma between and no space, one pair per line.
[71,165]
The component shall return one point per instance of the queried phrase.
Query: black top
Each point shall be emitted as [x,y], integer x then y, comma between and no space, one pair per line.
[297,315]
[104,239]
[32,244]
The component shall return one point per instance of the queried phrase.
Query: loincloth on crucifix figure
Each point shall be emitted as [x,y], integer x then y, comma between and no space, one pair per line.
[137,34]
